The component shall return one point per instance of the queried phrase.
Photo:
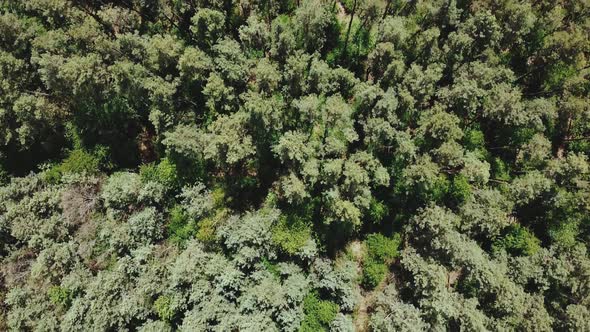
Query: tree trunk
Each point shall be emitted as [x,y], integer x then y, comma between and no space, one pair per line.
[565,137]
[386,8]
[348,29]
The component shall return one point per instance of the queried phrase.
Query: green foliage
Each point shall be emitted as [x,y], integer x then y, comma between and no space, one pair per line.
[145,226]
[163,308]
[318,313]
[460,189]
[563,234]
[423,182]
[79,161]
[121,190]
[381,251]
[197,200]
[518,241]
[180,227]
[374,272]
[212,165]
[500,170]
[291,234]
[377,211]
[557,74]
[342,323]
[207,228]
[392,314]
[381,248]
[4,176]
[474,139]
[249,237]
[207,26]
[60,296]
[164,172]
[273,268]
[316,25]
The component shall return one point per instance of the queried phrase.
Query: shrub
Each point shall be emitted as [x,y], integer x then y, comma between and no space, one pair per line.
[180,226]
[155,326]
[4,176]
[474,139]
[189,169]
[206,231]
[500,170]
[460,189]
[291,234]
[60,296]
[218,196]
[565,233]
[271,267]
[318,313]
[557,73]
[197,200]
[342,323]
[377,211]
[207,227]
[518,241]
[382,249]
[436,192]
[373,273]
[79,161]
[164,172]
[163,307]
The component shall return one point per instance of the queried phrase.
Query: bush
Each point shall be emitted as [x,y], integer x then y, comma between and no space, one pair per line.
[318,313]
[163,306]
[197,200]
[500,170]
[382,249]
[60,296]
[207,227]
[180,226]
[373,273]
[79,161]
[460,189]
[436,192]
[518,241]
[348,5]
[565,233]
[474,140]
[164,172]
[4,176]
[291,234]
[155,326]
[377,211]
[189,170]
[342,323]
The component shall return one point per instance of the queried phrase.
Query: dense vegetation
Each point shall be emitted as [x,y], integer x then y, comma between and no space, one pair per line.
[294,165]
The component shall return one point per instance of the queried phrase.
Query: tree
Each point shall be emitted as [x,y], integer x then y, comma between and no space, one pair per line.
[393,314]
[315,25]
[255,35]
[289,165]
[207,26]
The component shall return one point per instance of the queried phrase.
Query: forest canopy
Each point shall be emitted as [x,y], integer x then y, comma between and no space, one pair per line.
[294,165]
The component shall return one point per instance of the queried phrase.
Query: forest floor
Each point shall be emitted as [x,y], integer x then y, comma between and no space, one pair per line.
[367,298]
[341,15]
